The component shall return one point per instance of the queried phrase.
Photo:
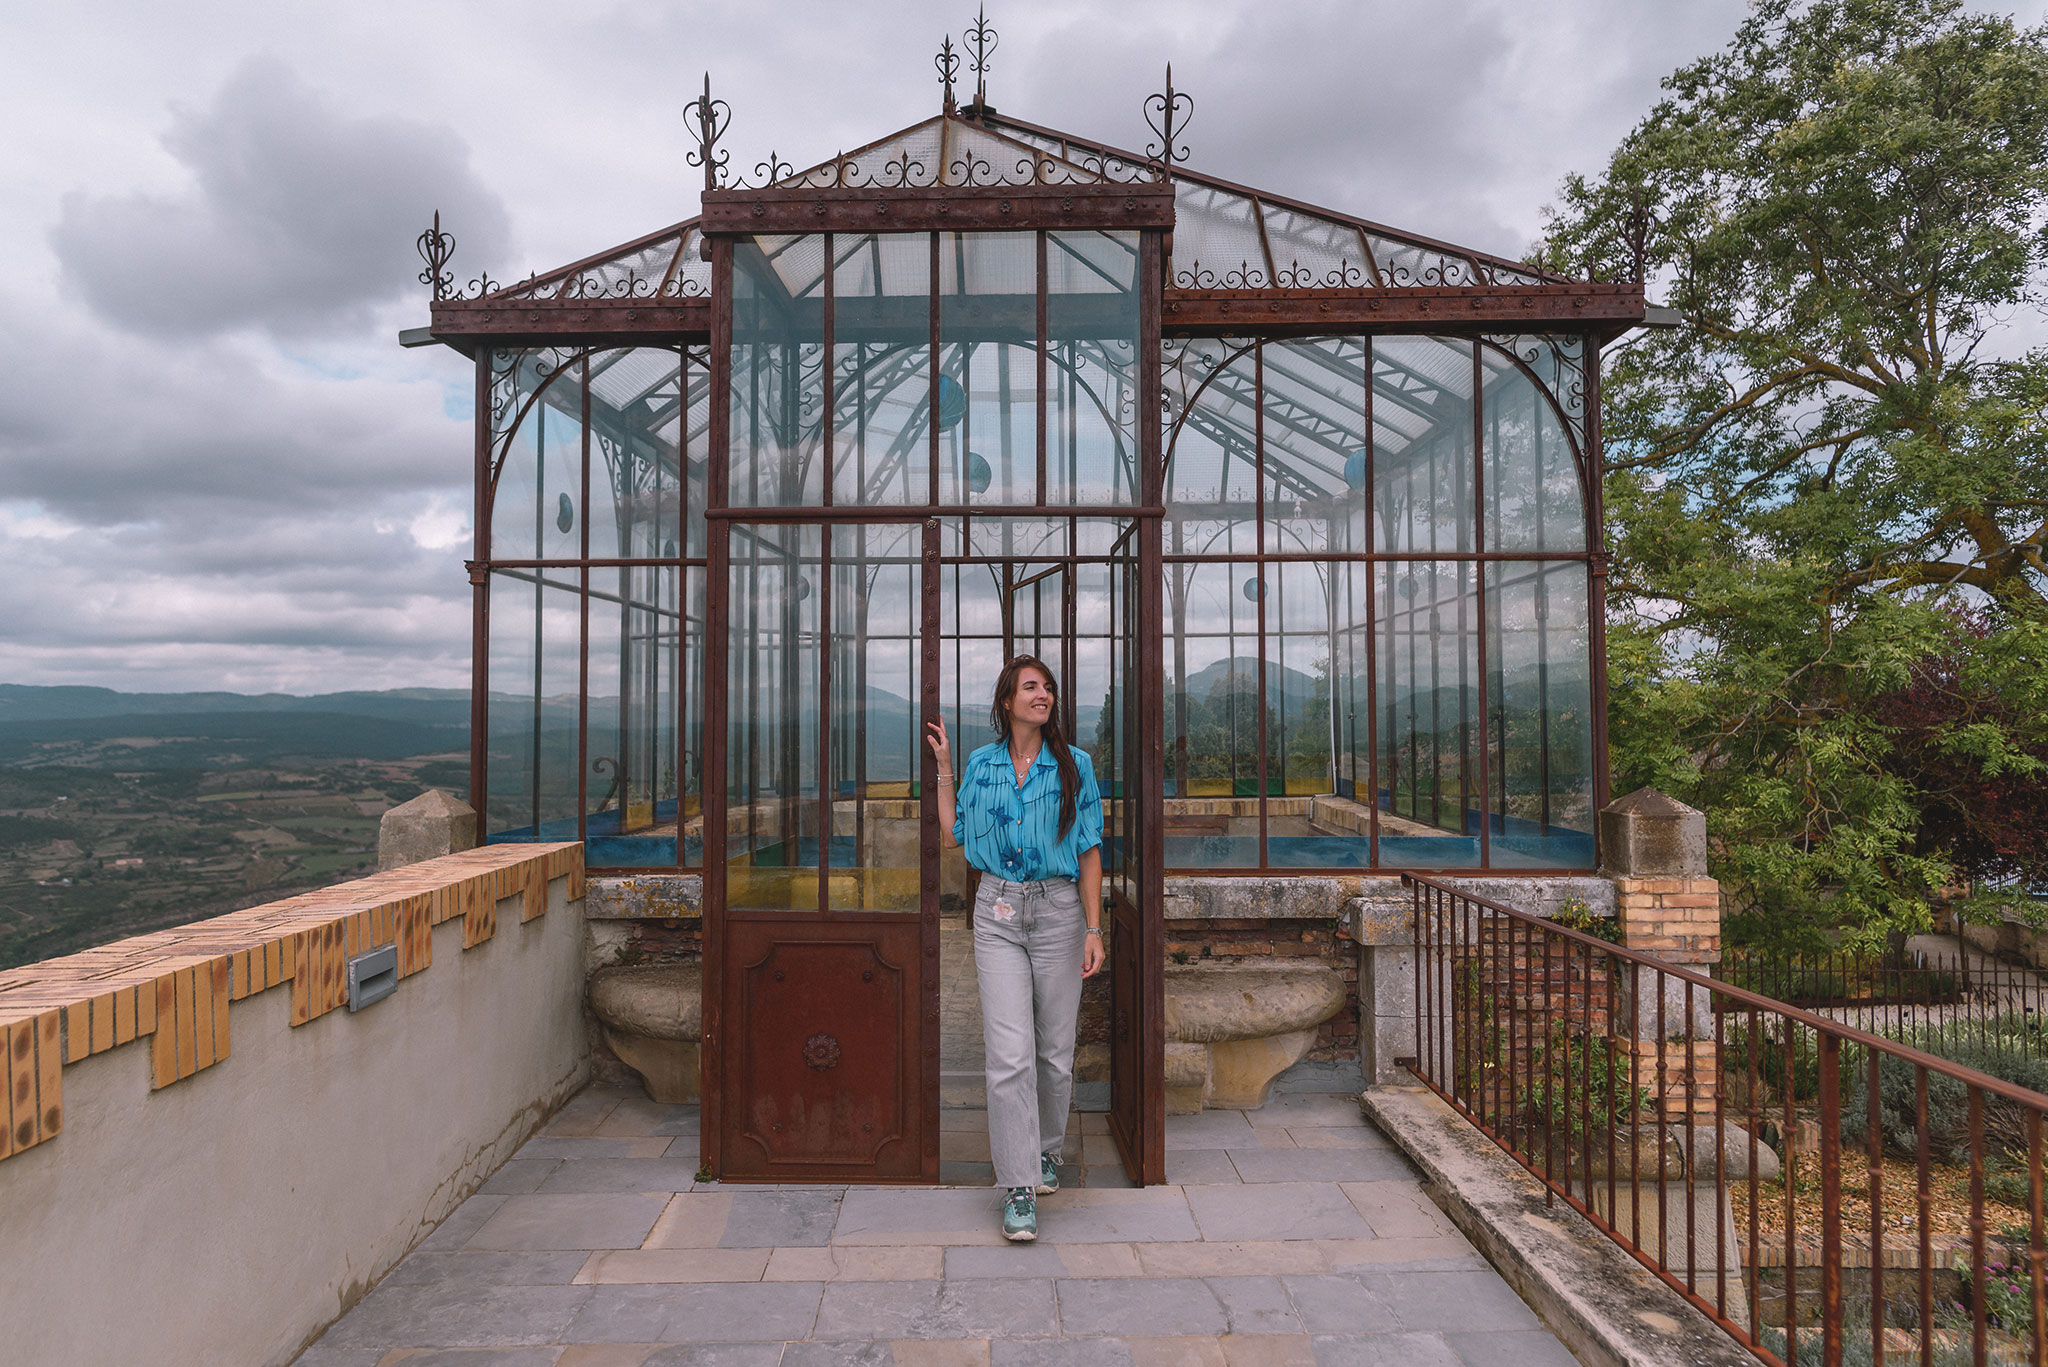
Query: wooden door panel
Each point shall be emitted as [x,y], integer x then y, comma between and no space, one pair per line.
[828,1077]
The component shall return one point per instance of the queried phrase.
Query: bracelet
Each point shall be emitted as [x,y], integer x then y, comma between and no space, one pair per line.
[945,778]
[1096,931]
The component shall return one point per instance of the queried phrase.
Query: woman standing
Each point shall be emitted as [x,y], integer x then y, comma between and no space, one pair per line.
[1026,810]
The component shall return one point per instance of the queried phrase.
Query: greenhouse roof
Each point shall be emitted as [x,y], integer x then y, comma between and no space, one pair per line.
[1225,236]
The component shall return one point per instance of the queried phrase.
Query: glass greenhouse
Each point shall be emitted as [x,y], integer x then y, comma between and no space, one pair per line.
[1303,510]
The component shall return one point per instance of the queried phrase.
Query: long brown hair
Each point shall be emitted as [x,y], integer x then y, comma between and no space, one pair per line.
[999,718]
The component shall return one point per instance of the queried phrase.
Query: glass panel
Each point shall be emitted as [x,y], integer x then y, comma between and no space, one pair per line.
[1533,500]
[1428,694]
[1350,664]
[1315,445]
[1018,538]
[1216,239]
[1092,350]
[1542,723]
[988,367]
[1303,828]
[1422,444]
[882,382]
[635,705]
[636,449]
[1089,672]
[777,384]
[1211,460]
[773,714]
[1315,253]
[1211,720]
[872,699]
[536,504]
[531,727]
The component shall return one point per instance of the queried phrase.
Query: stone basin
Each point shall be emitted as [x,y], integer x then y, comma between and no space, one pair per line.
[1233,1028]
[653,1019]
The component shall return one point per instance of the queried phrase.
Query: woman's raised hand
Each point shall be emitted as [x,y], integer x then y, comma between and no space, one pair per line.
[942,747]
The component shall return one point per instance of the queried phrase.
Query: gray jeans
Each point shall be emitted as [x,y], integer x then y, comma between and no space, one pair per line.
[1030,969]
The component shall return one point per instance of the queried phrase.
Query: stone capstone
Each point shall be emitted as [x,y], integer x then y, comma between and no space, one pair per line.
[431,825]
[653,1019]
[1649,835]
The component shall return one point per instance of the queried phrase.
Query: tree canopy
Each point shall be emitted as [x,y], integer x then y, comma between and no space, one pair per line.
[1828,489]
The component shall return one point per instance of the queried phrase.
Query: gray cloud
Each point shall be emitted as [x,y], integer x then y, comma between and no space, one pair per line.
[300,218]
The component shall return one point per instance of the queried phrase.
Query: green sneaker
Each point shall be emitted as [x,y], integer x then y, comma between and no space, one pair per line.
[1048,1173]
[1020,1215]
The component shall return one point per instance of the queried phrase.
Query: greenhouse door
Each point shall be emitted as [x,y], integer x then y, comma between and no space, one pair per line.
[1134,929]
[821,853]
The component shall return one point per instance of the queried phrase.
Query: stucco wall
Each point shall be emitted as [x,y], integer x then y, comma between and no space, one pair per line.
[229,1217]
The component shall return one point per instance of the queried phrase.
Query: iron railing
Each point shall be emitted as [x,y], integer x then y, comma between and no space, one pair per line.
[1707,1129]
[1908,994]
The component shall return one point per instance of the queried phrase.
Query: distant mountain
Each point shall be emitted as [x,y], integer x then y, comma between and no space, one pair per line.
[1243,672]
[431,706]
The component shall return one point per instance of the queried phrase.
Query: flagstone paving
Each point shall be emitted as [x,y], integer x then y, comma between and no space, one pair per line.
[1291,1234]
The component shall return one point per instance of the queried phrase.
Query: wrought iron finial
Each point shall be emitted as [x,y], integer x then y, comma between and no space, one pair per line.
[948,63]
[712,117]
[772,170]
[1635,231]
[981,42]
[435,248]
[1169,115]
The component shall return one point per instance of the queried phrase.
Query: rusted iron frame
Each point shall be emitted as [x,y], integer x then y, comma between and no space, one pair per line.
[937,208]
[1433,1018]
[1480,627]
[471,325]
[929,584]
[583,614]
[1259,576]
[1448,309]
[1141,1136]
[712,785]
[1594,477]
[898,512]
[480,598]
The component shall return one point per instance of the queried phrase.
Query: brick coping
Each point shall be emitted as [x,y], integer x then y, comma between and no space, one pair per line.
[174,986]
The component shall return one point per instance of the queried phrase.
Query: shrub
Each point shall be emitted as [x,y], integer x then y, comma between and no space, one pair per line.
[2013,1048]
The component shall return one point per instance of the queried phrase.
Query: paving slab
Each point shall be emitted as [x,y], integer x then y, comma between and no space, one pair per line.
[603,1220]
[1276,1210]
[1384,1350]
[1285,1237]
[731,1312]
[938,1310]
[1152,1305]
[1319,1165]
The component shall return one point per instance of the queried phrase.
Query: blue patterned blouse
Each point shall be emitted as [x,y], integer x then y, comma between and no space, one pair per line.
[1012,832]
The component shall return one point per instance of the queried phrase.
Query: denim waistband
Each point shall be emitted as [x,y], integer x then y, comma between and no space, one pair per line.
[1038,885]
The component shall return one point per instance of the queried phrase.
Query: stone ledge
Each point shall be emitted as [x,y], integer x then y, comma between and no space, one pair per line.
[1607,1308]
[174,986]
[645,897]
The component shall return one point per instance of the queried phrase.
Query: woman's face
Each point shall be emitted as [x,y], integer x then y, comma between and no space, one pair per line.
[1033,700]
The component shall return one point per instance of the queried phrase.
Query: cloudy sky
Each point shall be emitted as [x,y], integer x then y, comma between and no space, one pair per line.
[218,470]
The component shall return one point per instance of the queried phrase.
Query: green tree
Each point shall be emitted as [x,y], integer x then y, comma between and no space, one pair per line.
[1835,454]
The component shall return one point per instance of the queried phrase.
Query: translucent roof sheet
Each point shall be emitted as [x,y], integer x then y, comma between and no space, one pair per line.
[1225,236]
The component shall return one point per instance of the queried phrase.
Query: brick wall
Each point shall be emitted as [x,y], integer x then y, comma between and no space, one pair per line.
[1677,919]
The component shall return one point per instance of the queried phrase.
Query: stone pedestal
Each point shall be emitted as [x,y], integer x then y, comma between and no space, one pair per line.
[433,824]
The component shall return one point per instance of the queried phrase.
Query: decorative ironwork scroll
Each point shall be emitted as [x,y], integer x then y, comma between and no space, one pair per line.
[1169,113]
[435,248]
[981,41]
[713,117]
[948,63]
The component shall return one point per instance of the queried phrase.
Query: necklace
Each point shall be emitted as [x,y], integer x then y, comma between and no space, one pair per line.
[1023,766]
